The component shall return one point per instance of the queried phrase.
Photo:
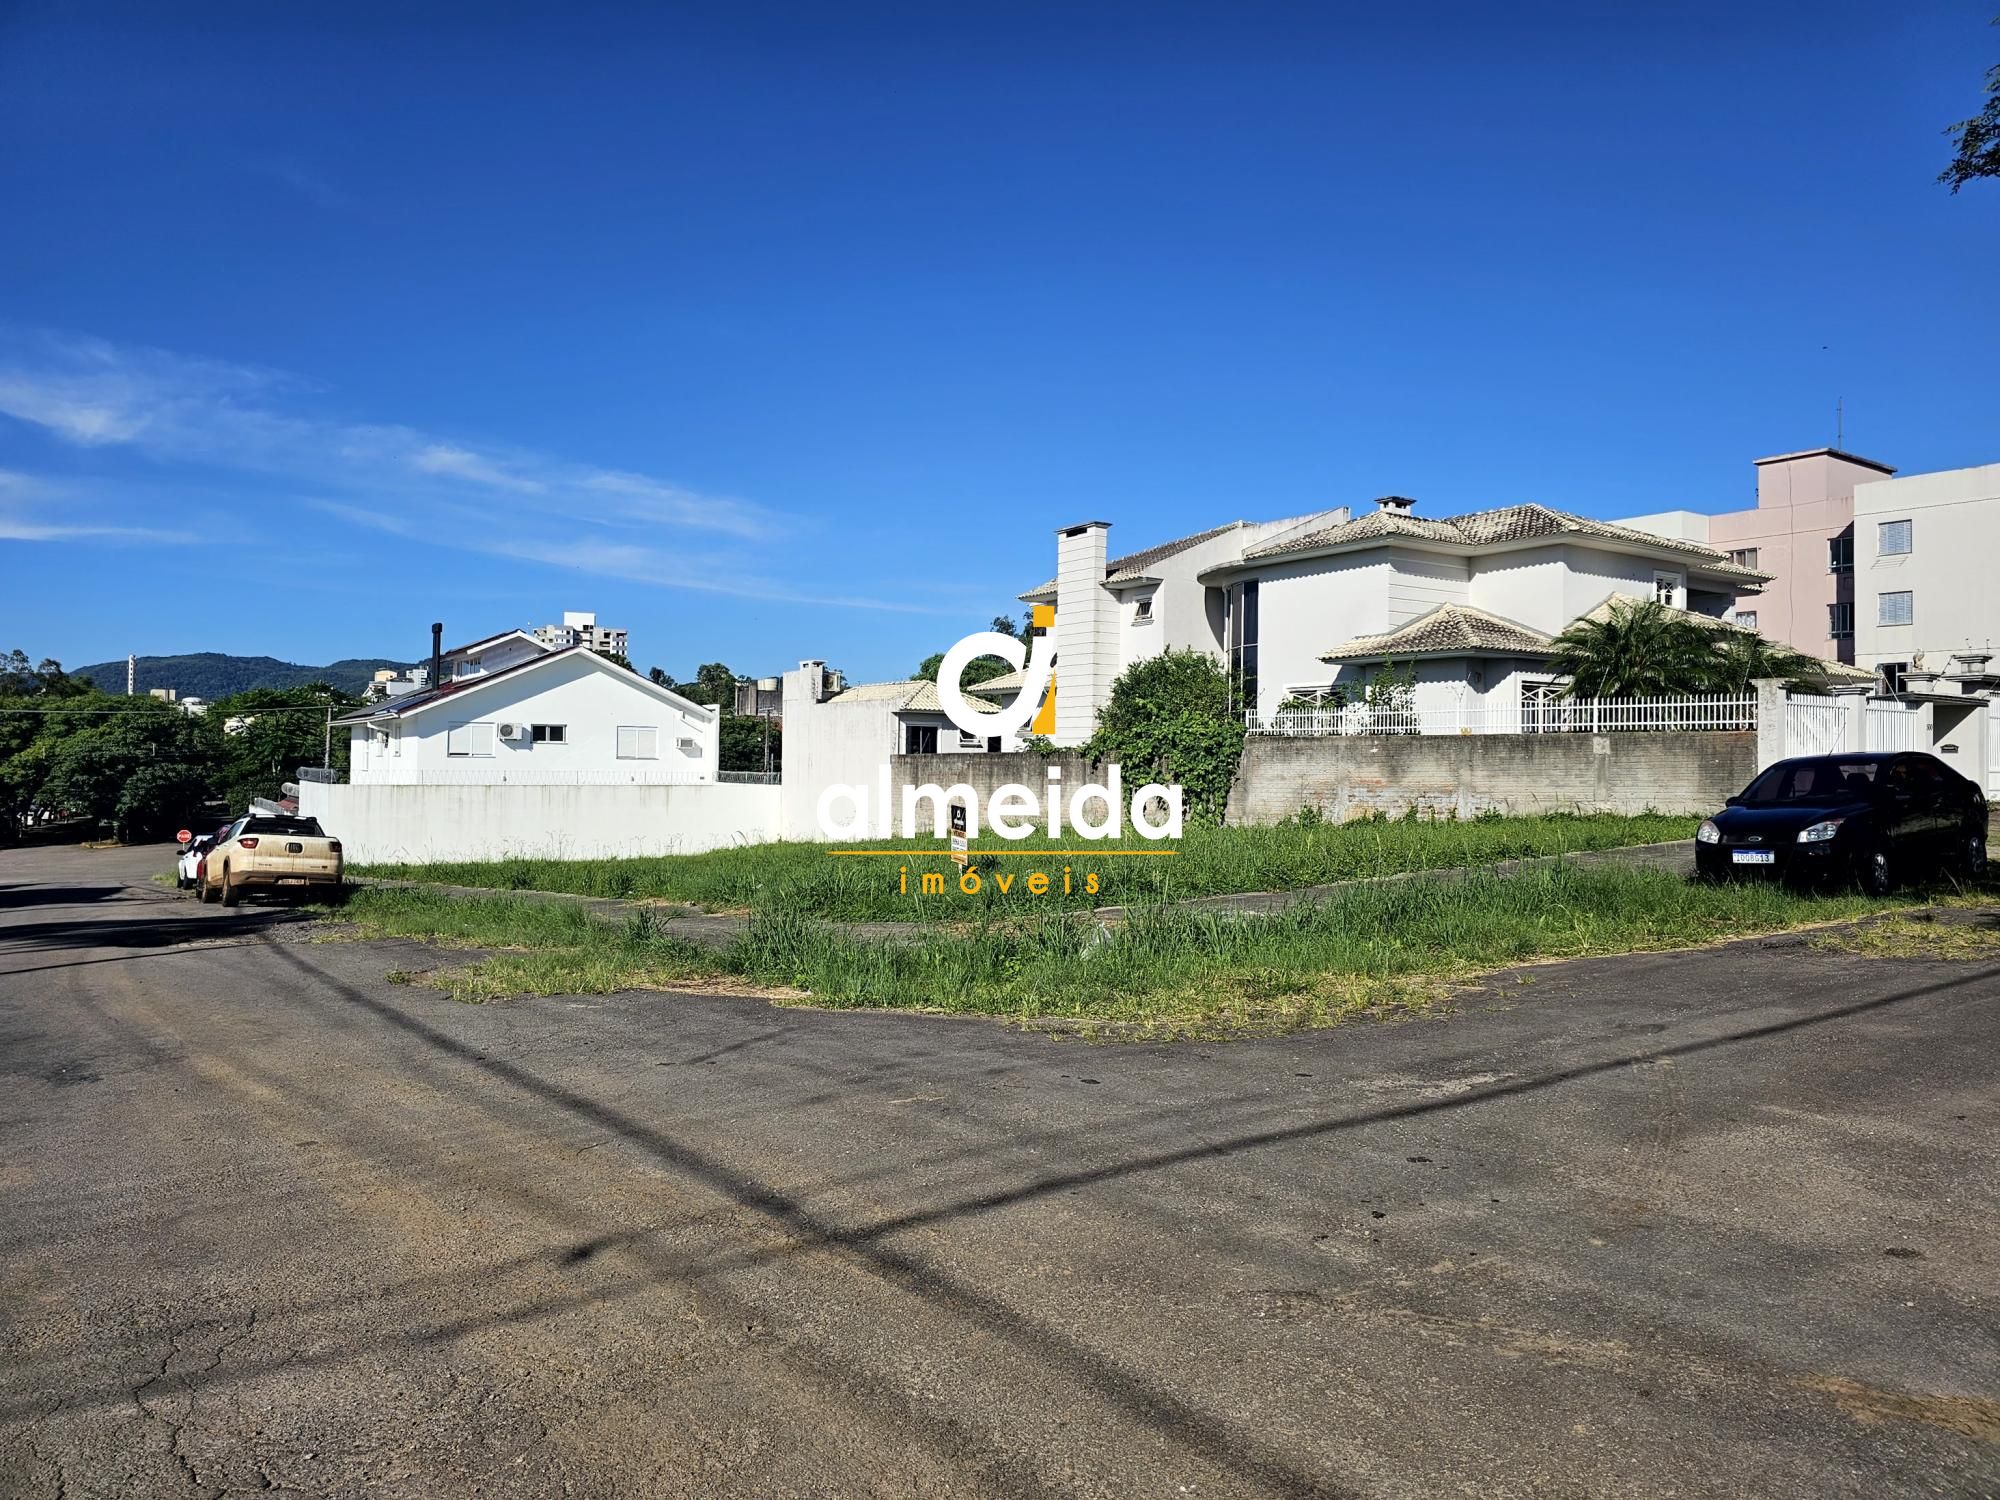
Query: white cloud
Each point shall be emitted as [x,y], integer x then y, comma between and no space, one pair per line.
[706,574]
[461,463]
[24,498]
[518,503]
[94,394]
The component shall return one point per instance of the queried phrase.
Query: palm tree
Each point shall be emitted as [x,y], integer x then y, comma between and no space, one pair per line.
[1640,649]
[1743,656]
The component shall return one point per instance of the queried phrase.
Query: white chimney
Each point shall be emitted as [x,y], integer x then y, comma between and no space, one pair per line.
[815,680]
[1397,505]
[1086,636]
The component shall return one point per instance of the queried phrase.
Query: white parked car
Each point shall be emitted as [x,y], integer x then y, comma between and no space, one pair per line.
[188,867]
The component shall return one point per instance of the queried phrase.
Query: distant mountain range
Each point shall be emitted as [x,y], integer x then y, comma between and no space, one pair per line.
[212,675]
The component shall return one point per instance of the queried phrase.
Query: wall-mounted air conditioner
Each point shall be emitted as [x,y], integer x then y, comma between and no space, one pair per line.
[511,732]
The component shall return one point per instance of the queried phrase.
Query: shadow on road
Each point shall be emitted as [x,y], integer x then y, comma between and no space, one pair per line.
[56,895]
[172,927]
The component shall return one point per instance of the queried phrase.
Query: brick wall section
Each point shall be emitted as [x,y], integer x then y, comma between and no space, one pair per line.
[1468,774]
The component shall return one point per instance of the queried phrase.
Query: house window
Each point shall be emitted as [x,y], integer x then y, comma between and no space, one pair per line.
[920,739]
[638,742]
[1142,612]
[1747,618]
[468,666]
[468,739]
[1840,552]
[1840,620]
[968,741]
[1894,540]
[1667,589]
[551,734]
[1897,608]
[1243,641]
[1895,676]
[1744,557]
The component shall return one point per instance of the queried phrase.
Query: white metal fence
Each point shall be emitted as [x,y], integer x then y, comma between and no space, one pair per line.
[1891,726]
[1553,716]
[1815,726]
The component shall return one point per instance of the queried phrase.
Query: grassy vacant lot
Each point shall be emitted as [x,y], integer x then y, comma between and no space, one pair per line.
[804,879]
[1367,949]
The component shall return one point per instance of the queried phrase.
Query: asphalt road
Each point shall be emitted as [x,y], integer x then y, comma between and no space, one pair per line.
[1720,1223]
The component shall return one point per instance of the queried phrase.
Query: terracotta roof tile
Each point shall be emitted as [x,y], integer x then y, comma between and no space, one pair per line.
[1448,629]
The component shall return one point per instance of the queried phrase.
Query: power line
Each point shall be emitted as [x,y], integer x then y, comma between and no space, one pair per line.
[121,713]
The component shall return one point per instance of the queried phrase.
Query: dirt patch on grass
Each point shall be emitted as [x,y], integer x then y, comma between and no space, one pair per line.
[1951,936]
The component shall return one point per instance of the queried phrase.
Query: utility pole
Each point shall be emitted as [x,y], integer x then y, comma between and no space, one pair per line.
[326,751]
[131,671]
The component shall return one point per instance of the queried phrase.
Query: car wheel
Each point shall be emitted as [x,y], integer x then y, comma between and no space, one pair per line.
[229,896]
[1875,875]
[1973,860]
[204,892]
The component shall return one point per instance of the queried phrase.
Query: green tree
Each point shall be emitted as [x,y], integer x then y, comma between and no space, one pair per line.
[1168,719]
[1978,139]
[713,683]
[280,729]
[142,770]
[979,669]
[1639,650]
[618,659]
[1741,657]
[742,747]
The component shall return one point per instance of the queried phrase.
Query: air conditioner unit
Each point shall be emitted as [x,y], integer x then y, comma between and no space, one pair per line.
[511,732]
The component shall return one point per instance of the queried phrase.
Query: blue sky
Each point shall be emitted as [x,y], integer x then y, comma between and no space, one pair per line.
[772,332]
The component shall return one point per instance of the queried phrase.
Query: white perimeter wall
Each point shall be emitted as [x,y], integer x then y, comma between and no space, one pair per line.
[416,824]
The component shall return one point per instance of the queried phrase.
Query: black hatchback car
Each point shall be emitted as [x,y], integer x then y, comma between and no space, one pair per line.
[1873,819]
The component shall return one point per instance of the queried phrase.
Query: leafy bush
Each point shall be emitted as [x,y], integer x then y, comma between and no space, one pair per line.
[1168,719]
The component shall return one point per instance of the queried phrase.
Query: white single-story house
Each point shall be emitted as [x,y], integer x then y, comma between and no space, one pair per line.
[511,710]
[1313,606]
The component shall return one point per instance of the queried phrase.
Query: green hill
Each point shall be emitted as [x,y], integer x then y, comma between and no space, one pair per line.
[212,675]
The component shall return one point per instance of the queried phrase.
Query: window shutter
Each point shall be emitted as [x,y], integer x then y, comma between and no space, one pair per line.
[638,742]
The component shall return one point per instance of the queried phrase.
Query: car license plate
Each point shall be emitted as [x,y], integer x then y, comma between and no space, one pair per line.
[291,880]
[1753,857]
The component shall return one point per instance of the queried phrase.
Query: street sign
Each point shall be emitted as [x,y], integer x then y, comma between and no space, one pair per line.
[961,852]
[183,836]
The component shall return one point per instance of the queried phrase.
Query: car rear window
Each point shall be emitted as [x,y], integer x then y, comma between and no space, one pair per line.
[308,826]
[1812,781]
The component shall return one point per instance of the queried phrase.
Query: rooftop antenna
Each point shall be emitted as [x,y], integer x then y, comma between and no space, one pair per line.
[1840,421]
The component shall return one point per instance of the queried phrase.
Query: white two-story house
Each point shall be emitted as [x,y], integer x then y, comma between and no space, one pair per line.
[1313,606]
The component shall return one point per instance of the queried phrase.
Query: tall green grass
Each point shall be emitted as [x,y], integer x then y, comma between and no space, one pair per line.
[1164,970]
[805,879]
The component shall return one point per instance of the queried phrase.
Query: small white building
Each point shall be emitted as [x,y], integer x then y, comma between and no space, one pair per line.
[509,710]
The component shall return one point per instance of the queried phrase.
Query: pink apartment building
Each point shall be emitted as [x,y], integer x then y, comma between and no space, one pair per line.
[1802,534]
